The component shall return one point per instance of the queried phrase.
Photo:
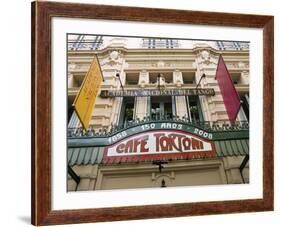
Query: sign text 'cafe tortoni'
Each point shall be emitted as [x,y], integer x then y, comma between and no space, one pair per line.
[156,139]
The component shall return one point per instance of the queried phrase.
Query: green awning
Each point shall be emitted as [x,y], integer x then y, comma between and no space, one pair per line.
[94,155]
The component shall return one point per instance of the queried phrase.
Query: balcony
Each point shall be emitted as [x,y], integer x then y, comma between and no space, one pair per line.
[208,126]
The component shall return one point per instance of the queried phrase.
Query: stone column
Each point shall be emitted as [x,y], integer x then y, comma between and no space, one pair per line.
[70,80]
[111,65]
[141,103]
[116,110]
[245,77]
[177,78]
[141,107]
[181,107]
[180,101]
[143,78]
[213,106]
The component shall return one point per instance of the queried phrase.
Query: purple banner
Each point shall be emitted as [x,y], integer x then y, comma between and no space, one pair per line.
[229,94]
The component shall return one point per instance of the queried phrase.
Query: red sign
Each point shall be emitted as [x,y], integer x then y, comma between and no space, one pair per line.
[159,144]
[229,94]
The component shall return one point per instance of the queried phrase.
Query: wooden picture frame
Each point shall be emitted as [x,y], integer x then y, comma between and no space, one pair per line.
[42,13]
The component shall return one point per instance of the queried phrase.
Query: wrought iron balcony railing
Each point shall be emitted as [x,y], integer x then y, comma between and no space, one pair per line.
[209,126]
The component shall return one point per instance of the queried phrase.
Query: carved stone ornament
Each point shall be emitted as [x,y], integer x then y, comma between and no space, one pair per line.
[71,66]
[205,56]
[241,64]
[114,55]
[160,64]
[114,58]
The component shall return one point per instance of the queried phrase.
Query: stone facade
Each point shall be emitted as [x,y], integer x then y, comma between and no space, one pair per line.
[139,68]
[183,173]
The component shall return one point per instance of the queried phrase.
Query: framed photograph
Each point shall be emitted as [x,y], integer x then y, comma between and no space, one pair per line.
[144,113]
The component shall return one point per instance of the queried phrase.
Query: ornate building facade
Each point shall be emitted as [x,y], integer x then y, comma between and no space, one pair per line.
[159,97]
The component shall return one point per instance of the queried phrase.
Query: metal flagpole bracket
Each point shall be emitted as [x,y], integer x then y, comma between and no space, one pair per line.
[203,76]
[118,76]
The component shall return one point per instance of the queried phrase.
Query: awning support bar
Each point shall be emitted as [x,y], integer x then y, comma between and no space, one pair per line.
[74,176]
[242,166]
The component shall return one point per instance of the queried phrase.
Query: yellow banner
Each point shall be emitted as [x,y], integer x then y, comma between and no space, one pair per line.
[86,98]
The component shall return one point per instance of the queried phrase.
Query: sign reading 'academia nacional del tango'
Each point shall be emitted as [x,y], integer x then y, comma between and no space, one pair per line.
[170,144]
[157,92]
